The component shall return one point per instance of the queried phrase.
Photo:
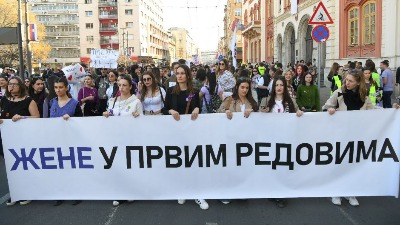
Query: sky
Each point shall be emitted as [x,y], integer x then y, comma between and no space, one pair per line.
[202,18]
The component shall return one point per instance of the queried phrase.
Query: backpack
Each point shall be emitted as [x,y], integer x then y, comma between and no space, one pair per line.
[214,103]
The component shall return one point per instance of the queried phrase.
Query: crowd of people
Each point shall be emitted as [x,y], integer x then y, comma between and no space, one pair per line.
[196,89]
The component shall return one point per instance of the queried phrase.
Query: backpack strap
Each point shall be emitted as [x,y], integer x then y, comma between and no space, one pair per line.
[114,102]
[162,97]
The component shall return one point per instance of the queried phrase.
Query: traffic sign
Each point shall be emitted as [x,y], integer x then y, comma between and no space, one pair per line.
[220,57]
[320,16]
[320,33]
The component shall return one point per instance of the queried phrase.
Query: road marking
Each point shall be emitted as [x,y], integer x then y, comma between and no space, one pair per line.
[110,216]
[346,215]
[4,198]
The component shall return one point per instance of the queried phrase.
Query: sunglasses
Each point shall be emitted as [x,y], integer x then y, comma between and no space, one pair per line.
[147,79]
[194,70]
[222,64]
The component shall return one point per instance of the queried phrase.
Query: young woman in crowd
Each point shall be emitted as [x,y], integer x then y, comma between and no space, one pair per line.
[240,101]
[27,83]
[288,77]
[127,103]
[298,76]
[63,105]
[351,96]
[334,77]
[308,95]
[371,86]
[210,88]
[3,85]
[225,78]
[151,95]
[88,97]
[38,93]
[113,85]
[280,101]
[183,99]
[17,105]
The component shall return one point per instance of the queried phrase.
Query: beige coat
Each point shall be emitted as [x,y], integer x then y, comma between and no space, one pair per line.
[235,105]
[265,100]
[334,101]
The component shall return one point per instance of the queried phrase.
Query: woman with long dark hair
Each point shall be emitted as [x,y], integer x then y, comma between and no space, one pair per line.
[209,89]
[38,93]
[308,95]
[241,100]
[64,105]
[17,105]
[334,77]
[225,78]
[151,95]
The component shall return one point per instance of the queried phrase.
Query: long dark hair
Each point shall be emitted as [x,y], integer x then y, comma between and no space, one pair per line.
[249,95]
[129,79]
[65,82]
[153,87]
[286,101]
[212,82]
[189,82]
[31,91]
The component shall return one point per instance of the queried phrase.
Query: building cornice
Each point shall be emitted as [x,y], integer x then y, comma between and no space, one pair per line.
[301,7]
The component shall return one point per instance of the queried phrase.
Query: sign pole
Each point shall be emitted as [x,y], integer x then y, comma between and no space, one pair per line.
[319,65]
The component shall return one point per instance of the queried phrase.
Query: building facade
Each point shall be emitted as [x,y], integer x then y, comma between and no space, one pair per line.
[362,29]
[233,11]
[252,30]
[74,27]
[185,46]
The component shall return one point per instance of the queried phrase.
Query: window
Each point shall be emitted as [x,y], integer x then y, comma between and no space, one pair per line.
[238,1]
[88,51]
[353,26]
[88,1]
[128,1]
[89,26]
[129,24]
[369,23]
[128,12]
[89,13]
[238,12]
[89,38]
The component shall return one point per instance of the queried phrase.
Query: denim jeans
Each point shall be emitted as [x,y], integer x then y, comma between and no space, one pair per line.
[387,99]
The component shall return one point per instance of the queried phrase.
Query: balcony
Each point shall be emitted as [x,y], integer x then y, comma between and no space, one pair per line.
[62,33]
[108,42]
[252,29]
[59,22]
[63,44]
[113,29]
[107,3]
[56,12]
[109,16]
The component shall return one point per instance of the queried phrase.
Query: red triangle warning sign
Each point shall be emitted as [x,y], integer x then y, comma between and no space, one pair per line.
[320,16]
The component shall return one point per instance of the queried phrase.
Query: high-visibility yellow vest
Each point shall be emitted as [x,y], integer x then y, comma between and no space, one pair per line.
[261,70]
[338,82]
[376,78]
[372,94]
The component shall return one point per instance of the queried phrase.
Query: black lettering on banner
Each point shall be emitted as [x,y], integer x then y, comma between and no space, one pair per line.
[24,159]
[44,159]
[319,153]
[198,152]
[392,153]
[349,149]
[371,151]
[176,156]
[129,158]
[240,154]
[109,160]
[277,161]
[211,155]
[258,154]
[150,156]
[62,158]
[309,154]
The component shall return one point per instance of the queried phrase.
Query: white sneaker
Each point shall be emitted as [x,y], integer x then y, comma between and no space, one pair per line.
[10,203]
[353,201]
[337,200]
[202,203]
[181,201]
[226,202]
[24,202]
[115,203]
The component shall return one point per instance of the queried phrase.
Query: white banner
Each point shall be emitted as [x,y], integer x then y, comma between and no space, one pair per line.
[155,157]
[104,58]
